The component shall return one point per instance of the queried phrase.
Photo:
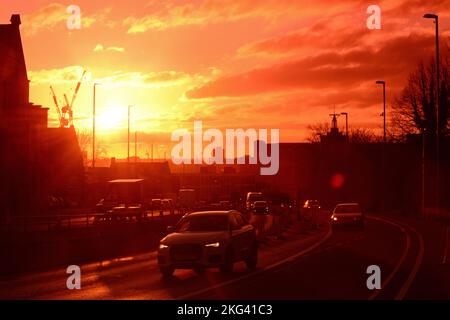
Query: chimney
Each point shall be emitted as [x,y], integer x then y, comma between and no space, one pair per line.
[15,20]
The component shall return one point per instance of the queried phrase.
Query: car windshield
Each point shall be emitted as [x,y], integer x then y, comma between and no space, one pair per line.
[202,223]
[255,197]
[349,208]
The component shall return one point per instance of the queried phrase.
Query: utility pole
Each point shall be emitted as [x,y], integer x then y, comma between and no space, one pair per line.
[93,129]
[93,126]
[346,123]
[438,78]
[135,146]
[128,145]
[383,155]
[384,108]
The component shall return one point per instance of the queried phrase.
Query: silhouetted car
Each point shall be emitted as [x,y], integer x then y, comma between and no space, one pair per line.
[260,207]
[167,204]
[310,207]
[225,205]
[251,198]
[311,204]
[347,214]
[208,239]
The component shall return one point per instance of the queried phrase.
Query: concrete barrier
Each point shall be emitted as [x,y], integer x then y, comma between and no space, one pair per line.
[32,251]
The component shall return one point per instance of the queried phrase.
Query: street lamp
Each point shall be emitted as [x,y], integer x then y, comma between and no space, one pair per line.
[93,127]
[436,22]
[128,157]
[384,107]
[346,122]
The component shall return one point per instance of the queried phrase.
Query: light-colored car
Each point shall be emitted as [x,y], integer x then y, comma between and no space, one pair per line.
[347,213]
[208,239]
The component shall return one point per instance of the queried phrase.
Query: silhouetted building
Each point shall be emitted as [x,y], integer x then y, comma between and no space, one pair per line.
[334,135]
[31,157]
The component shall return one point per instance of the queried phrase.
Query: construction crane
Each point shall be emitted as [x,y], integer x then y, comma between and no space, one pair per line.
[66,112]
[58,110]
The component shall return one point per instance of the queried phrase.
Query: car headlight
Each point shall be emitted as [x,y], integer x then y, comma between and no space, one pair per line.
[163,246]
[213,244]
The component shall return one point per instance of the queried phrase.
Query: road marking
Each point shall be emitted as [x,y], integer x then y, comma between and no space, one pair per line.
[401,294]
[401,260]
[269,267]
[444,256]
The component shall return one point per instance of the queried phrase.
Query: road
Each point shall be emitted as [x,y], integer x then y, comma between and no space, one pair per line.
[321,264]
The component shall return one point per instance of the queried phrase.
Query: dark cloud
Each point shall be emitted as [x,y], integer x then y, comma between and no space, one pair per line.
[392,61]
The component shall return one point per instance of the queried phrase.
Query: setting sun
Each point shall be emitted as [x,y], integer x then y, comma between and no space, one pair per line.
[112,117]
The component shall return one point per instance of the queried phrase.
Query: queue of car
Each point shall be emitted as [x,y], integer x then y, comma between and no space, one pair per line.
[216,235]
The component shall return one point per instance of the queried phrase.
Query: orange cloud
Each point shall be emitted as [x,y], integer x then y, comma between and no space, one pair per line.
[125,79]
[45,18]
[100,48]
[213,11]
[55,14]
[51,76]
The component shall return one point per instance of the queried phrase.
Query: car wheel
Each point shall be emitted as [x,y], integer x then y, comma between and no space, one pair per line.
[252,259]
[167,271]
[199,270]
[227,266]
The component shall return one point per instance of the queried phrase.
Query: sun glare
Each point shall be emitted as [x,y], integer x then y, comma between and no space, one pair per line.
[112,117]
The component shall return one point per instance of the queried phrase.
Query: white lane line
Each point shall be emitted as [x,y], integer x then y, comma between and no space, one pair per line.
[272,266]
[444,256]
[400,261]
[404,289]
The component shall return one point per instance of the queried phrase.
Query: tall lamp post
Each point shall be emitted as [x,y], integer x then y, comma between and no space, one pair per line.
[384,108]
[93,127]
[346,123]
[135,146]
[436,22]
[383,159]
[128,145]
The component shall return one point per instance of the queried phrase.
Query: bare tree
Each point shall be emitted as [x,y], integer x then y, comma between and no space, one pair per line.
[357,135]
[84,139]
[363,135]
[317,130]
[85,142]
[414,111]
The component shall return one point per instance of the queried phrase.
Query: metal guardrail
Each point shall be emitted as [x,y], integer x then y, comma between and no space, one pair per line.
[72,221]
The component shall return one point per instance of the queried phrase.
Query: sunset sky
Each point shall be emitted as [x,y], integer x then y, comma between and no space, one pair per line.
[233,64]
